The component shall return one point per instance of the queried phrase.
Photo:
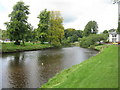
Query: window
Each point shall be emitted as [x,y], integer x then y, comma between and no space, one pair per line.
[114,35]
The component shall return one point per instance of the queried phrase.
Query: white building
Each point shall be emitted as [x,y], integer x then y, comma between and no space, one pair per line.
[114,37]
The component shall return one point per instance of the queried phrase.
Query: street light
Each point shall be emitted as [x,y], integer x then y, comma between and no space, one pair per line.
[118,2]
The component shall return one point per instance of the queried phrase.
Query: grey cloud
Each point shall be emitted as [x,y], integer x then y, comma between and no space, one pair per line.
[69,17]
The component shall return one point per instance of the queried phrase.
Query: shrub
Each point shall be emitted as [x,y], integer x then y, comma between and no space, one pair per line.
[92,39]
[92,46]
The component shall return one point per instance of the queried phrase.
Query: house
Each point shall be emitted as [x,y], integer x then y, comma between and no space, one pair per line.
[114,37]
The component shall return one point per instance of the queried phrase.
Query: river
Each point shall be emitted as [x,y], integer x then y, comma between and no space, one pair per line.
[31,69]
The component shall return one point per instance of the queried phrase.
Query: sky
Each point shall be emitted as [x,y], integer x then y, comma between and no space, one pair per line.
[76,13]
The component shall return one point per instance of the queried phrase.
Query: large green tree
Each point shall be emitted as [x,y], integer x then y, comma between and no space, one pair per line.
[69,32]
[105,32]
[29,35]
[72,35]
[43,25]
[90,28]
[56,29]
[18,26]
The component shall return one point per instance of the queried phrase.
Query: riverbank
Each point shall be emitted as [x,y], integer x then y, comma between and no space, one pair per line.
[10,47]
[100,71]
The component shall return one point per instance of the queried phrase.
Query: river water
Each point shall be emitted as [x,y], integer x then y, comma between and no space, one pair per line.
[31,69]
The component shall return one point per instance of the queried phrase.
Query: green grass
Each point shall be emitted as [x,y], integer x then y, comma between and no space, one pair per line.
[10,47]
[100,71]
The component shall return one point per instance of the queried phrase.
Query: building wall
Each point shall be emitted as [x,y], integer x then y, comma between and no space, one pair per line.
[117,38]
[110,38]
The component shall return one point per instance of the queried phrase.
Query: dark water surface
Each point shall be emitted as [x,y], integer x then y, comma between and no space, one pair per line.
[31,69]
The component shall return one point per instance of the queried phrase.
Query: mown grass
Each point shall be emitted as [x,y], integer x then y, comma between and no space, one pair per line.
[10,47]
[100,71]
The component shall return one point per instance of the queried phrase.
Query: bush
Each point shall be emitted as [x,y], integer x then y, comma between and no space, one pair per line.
[92,39]
[66,42]
[17,42]
[92,46]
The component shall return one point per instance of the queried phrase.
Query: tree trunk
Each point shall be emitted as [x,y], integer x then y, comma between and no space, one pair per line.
[17,42]
[23,42]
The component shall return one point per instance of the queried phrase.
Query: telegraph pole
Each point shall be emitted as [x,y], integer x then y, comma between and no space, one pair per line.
[118,11]
[118,2]
[118,29]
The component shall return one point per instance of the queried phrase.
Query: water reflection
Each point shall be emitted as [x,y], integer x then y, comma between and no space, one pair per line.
[34,68]
[50,63]
[17,74]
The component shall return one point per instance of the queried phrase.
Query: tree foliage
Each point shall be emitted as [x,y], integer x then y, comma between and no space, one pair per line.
[72,35]
[18,26]
[69,32]
[56,29]
[43,25]
[3,34]
[105,31]
[29,35]
[92,39]
[90,28]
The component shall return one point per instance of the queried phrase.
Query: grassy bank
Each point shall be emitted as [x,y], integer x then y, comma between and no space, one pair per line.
[100,71]
[10,47]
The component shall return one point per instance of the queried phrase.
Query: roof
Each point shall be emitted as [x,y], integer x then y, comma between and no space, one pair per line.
[114,34]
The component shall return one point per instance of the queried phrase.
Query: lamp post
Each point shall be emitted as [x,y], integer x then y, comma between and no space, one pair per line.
[118,11]
[118,29]
[118,2]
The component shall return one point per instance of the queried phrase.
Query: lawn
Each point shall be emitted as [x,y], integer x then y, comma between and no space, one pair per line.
[10,47]
[100,71]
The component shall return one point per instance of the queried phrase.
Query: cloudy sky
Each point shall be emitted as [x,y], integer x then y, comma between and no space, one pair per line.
[76,13]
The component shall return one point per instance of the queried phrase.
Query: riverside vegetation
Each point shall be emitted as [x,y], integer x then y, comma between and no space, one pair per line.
[100,71]
[11,47]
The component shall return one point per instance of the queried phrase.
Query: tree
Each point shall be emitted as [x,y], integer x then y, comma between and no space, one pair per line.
[29,35]
[69,32]
[43,25]
[18,26]
[72,35]
[79,33]
[105,31]
[90,28]
[56,29]
[92,39]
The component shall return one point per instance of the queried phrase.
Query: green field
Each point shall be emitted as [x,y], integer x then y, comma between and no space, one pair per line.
[100,71]
[10,47]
